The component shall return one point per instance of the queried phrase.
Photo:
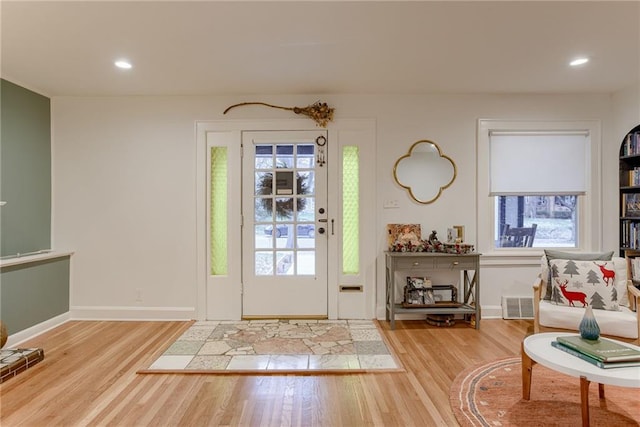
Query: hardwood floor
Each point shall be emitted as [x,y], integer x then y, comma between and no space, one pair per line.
[88,377]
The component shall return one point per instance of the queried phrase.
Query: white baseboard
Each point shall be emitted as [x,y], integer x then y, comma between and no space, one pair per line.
[492,312]
[26,334]
[103,313]
[158,313]
[132,313]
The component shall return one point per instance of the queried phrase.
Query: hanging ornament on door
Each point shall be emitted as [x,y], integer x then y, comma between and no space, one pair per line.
[321,141]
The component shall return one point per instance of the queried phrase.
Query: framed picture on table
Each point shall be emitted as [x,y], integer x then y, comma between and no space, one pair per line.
[403,234]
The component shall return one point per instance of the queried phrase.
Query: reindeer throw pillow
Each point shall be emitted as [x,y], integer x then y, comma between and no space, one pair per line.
[551,254]
[579,283]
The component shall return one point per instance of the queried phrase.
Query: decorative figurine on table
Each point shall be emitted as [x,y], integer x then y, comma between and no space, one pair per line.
[433,237]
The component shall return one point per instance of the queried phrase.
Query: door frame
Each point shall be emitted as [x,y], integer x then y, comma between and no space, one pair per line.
[220,298]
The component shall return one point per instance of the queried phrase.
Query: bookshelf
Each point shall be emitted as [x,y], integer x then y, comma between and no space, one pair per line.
[632,257]
[630,191]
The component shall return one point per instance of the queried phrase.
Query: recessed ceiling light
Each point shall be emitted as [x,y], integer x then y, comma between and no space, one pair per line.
[578,61]
[122,63]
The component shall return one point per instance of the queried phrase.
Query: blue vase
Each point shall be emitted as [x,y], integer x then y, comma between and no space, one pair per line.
[589,329]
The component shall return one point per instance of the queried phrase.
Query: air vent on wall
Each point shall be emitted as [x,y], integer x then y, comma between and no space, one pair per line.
[517,307]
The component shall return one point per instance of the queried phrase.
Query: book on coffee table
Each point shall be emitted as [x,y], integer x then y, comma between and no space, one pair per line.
[602,349]
[587,358]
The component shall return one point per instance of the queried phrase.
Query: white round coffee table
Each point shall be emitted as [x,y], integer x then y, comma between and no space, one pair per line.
[537,348]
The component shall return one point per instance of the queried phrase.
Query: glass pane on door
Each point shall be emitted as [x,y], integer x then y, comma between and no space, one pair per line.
[284,209]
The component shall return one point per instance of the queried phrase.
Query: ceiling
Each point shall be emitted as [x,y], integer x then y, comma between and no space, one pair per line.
[237,47]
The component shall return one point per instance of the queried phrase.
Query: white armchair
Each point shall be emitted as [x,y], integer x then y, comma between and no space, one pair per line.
[561,310]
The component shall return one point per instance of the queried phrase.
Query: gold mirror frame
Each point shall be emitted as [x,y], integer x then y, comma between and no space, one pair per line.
[424,163]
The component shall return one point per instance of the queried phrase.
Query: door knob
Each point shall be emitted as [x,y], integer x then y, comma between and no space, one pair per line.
[321,230]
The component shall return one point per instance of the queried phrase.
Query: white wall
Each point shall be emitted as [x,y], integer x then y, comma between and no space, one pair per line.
[124,185]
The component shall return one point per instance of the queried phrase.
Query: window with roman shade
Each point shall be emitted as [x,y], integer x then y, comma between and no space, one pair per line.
[537,184]
[538,163]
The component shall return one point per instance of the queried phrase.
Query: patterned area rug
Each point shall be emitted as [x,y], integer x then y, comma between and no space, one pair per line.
[278,346]
[491,395]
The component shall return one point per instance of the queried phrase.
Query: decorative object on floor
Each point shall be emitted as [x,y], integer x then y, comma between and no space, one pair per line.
[278,346]
[4,336]
[14,361]
[491,394]
[424,171]
[441,320]
[589,329]
[319,112]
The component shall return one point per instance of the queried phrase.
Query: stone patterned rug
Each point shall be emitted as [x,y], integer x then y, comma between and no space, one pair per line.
[278,346]
[14,361]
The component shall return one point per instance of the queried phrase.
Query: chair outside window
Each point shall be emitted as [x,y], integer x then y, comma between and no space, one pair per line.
[517,237]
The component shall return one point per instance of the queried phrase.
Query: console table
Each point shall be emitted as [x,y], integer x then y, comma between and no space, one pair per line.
[420,263]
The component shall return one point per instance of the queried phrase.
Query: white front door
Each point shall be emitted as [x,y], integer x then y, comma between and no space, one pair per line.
[285,226]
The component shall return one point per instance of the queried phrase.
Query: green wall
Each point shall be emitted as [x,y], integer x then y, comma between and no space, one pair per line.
[33,293]
[25,170]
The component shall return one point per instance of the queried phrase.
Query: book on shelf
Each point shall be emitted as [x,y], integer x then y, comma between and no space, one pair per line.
[631,205]
[630,234]
[602,349]
[587,358]
[634,177]
[635,268]
[632,144]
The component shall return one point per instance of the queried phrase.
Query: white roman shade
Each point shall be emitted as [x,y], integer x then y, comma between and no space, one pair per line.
[538,163]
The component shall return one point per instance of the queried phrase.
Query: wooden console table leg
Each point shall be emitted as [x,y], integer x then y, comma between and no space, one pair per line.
[527,367]
[584,399]
[601,391]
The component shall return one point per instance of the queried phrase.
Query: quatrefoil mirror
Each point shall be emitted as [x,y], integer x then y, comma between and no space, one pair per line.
[424,171]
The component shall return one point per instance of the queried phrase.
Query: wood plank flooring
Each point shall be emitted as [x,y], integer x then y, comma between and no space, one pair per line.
[88,378]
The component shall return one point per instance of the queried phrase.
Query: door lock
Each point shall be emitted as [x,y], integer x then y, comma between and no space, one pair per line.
[321,230]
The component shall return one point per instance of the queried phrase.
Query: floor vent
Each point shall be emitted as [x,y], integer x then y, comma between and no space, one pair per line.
[517,308]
